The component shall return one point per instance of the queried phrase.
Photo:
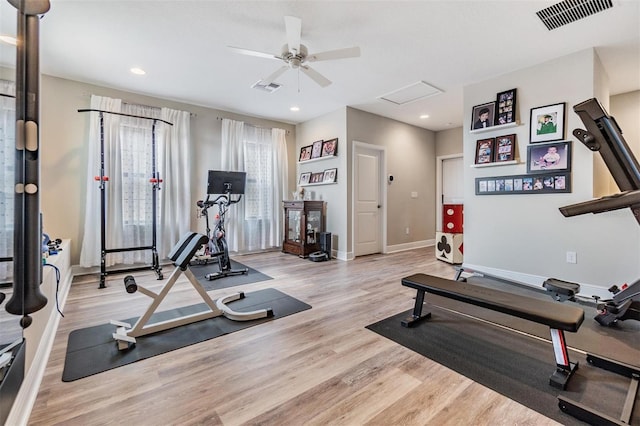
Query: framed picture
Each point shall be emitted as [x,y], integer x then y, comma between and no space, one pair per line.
[506,107]
[484,151]
[330,147]
[304,178]
[549,156]
[316,150]
[316,177]
[547,123]
[305,153]
[505,148]
[330,175]
[550,182]
[483,116]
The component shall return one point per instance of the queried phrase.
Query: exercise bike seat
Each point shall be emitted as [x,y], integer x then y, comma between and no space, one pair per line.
[563,290]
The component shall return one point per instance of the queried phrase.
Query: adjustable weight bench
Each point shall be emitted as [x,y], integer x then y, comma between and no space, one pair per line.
[557,316]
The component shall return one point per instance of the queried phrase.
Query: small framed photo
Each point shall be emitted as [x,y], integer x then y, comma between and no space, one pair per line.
[304,178]
[547,123]
[330,175]
[305,153]
[330,147]
[505,148]
[506,107]
[549,156]
[316,150]
[484,151]
[547,183]
[316,177]
[483,116]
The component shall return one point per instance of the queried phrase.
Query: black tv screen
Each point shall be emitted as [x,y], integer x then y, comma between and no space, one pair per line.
[223,182]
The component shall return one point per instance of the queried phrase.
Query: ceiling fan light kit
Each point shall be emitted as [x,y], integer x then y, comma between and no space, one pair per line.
[295,55]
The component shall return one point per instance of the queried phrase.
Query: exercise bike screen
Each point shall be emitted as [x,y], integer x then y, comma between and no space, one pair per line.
[222,182]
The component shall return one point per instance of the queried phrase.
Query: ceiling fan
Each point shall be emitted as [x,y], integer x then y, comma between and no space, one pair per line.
[295,55]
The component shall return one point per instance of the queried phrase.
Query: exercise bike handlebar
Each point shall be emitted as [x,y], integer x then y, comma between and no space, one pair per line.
[220,199]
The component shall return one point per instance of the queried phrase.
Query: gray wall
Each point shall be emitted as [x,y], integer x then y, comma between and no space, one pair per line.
[64,134]
[449,142]
[525,237]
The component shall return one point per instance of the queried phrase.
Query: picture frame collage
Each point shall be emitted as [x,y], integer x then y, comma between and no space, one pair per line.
[548,156]
[495,113]
[318,150]
[541,183]
[326,176]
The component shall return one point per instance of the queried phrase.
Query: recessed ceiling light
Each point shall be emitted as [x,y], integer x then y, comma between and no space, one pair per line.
[138,71]
[294,108]
[9,40]
[424,116]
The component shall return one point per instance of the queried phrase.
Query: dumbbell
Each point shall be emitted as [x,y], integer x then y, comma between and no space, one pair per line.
[130,284]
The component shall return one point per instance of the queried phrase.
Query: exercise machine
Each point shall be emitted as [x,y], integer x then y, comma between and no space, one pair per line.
[225,185]
[603,135]
[181,254]
[103,179]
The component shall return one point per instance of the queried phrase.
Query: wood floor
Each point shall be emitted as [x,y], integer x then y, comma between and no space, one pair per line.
[317,367]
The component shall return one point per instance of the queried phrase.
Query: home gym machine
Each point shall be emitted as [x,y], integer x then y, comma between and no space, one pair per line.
[181,255]
[603,135]
[155,187]
[224,184]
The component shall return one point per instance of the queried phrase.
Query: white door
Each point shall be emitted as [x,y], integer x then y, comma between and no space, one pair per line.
[367,195]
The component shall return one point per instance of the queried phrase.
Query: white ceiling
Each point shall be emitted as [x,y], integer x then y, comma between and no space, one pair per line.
[449,44]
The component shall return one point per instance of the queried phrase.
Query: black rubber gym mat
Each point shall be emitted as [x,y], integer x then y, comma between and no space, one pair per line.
[252,276]
[512,364]
[93,350]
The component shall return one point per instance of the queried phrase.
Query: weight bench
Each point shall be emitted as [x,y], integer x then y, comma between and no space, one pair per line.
[558,317]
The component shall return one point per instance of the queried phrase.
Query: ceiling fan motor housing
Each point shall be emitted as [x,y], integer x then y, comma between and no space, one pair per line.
[292,58]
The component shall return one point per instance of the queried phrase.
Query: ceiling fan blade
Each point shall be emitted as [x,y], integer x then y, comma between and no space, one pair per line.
[348,52]
[315,76]
[294,31]
[254,53]
[267,81]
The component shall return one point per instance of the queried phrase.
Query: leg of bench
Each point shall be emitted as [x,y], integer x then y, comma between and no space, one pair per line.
[564,368]
[416,316]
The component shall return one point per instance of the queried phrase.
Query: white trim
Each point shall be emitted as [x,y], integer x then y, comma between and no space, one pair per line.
[26,398]
[383,193]
[410,246]
[439,160]
[586,290]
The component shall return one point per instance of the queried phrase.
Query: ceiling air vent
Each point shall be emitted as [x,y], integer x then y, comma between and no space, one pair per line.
[269,88]
[569,11]
[413,92]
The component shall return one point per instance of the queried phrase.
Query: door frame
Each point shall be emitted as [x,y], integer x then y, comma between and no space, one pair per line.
[382,189]
[439,203]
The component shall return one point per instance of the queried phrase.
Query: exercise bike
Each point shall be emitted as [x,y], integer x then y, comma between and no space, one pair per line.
[216,249]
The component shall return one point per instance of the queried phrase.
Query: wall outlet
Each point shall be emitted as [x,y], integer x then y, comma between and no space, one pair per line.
[406,231]
[572,257]
[414,194]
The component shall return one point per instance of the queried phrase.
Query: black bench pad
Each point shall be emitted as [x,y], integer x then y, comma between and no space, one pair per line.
[553,314]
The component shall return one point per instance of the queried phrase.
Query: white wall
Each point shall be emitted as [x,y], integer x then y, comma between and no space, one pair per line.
[525,235]
[329,126]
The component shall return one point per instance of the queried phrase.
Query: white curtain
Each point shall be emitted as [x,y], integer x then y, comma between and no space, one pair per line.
[256,221]
[128,156]
[173,160]
[7,166]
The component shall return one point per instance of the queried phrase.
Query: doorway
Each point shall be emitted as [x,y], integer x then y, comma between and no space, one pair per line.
[450,183]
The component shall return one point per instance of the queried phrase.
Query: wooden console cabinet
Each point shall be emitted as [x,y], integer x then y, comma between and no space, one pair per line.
[303,222]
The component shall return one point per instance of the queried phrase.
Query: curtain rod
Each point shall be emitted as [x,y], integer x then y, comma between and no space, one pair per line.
[125,115]
[260,127]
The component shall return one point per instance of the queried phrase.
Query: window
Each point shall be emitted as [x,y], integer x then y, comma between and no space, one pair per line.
[7,168]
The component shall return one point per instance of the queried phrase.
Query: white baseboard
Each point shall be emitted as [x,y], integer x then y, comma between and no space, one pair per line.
[586,290]
[26,397]
[409,246]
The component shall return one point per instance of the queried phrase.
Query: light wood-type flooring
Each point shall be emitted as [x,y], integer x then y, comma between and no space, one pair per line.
[316,367]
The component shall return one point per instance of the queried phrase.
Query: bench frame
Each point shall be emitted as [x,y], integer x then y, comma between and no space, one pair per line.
[446,288]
